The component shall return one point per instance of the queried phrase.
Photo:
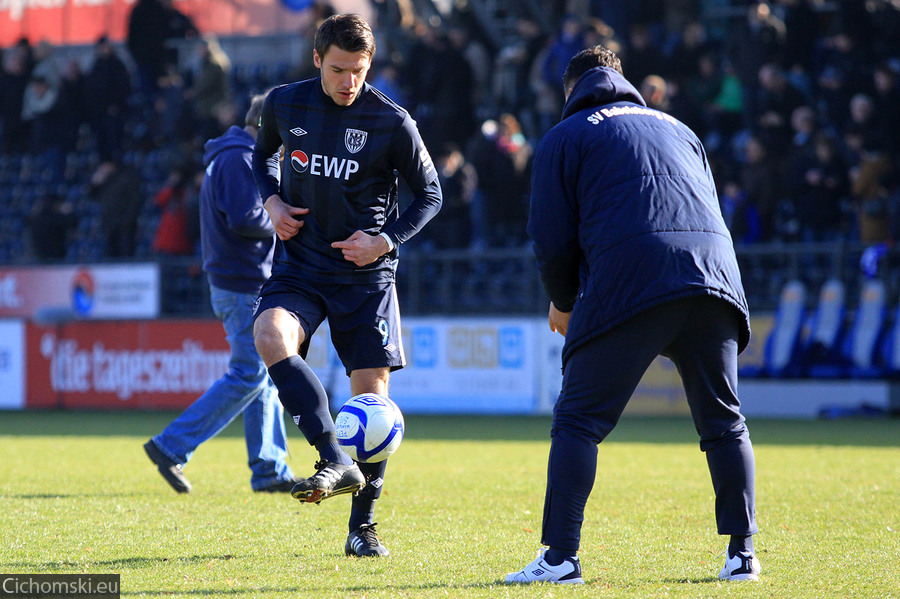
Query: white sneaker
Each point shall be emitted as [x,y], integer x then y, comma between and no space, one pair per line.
[743,566]
[568,572]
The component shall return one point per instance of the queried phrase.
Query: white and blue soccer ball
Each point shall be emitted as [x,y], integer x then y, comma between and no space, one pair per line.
[369,427]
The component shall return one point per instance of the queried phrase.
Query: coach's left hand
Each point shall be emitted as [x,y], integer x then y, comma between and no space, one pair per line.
[362,248]
[559,321]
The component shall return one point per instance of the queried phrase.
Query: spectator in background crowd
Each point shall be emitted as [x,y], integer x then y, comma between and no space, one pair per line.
[643,57]
[478,59]
[683,62]
[386,79]
[865,123]
[740,214]
[106,89]
[458,181]
[568,42]
[831,98]
[73,109]
[502,160]
[754,41]
[15,71]
[760,180]
[871,198]
[886,98]
[518,83]
[210,93]
[655,92]
[152,26]
[176,201]
[777,100]
[117,188]
[50,224]
[43,114]
[818,187]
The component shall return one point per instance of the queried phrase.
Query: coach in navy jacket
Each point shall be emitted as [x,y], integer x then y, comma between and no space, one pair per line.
[624,212]
[637,261]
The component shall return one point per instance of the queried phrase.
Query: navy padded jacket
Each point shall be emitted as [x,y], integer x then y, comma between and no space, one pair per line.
[624,212]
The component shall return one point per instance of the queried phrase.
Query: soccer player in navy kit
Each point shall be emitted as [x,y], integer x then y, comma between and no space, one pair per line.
[338,223]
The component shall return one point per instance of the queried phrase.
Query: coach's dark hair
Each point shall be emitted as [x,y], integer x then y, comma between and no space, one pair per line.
[254,113]
[584,61]
[349,32]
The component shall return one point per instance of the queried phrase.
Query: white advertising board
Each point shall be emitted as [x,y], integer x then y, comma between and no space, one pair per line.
[59,293]
[453,365]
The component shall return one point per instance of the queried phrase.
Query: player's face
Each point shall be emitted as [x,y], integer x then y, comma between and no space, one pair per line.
[343,73]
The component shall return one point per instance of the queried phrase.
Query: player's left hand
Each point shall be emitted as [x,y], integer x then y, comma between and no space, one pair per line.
[559,321]
[362,248]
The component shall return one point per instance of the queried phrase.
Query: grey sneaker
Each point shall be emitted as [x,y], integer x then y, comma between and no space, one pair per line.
[330,479]
[167,468]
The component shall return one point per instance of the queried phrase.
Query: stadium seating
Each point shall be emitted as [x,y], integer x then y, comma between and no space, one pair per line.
[821,354]
[782,349]
[855,354]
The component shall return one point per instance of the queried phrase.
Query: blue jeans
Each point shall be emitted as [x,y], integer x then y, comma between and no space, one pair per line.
[247,388]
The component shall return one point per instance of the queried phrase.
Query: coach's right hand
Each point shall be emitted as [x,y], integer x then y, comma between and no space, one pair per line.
[285,218]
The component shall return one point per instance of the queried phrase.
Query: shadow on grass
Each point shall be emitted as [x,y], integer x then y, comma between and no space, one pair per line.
[362,589]
[117,564]
[866,432]
[63,495]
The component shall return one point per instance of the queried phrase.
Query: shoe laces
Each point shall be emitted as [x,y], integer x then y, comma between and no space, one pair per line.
[367,533]
[324,471]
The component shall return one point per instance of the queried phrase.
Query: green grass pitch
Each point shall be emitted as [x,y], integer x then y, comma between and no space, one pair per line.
[461,508]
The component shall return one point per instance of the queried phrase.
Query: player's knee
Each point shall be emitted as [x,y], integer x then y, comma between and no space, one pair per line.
[270,344]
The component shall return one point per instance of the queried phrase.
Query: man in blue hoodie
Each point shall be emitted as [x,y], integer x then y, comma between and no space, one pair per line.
[637,262]
[237,239]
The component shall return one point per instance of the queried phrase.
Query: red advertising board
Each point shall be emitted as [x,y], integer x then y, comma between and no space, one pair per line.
[83,21]
[154,364]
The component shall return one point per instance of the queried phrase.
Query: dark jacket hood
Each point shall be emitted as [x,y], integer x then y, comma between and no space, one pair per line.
[598,87]
[235,137]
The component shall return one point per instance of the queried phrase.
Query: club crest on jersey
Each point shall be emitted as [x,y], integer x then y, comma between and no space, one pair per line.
[299,161]
[355,139]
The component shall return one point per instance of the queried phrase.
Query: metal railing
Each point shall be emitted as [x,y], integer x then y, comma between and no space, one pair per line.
[506,282]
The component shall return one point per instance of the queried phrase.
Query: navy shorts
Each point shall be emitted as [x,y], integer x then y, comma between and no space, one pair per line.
[364,318]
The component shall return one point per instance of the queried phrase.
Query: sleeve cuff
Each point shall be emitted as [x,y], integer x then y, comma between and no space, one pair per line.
[390,241]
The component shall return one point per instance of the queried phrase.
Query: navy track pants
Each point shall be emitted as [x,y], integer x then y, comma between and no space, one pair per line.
[699,335]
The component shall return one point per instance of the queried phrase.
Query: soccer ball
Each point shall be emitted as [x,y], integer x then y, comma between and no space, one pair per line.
[369,427]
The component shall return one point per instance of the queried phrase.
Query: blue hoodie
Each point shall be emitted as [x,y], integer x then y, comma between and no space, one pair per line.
[236,234]
[624,212]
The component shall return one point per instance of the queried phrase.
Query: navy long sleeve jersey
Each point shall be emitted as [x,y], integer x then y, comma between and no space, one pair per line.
[342,163]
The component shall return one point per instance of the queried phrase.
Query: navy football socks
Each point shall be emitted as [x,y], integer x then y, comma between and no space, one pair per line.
[303,396]
[328,448]
[362,507]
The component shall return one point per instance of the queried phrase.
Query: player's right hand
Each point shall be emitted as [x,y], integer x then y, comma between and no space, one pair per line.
[285,217]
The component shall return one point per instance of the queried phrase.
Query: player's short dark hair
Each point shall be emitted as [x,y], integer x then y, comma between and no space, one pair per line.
[349,32]
[254,113]
[584,61]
